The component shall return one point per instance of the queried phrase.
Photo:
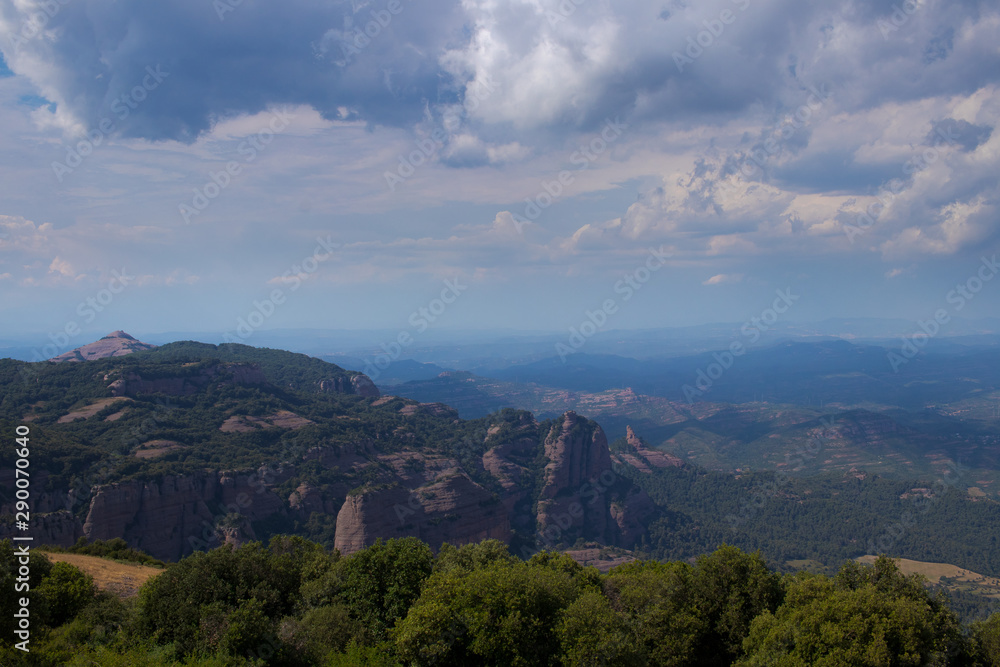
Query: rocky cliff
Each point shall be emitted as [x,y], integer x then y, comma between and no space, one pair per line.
[130,383]
[551,485]
[453,509]
[574,501]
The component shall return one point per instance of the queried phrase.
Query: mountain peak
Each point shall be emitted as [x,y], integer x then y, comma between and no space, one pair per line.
[118,334]
[115,344]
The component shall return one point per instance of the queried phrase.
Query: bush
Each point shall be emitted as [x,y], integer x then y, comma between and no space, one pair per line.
[63,593]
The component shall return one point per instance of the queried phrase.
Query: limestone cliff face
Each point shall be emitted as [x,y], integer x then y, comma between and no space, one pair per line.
[132,384]
[453,509]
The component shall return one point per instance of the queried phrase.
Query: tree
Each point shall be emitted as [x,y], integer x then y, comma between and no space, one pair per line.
[380,583]
[63,593]
[867,616]
[592,634]
[658,601]
[731,589]
[500,614]
[986,641]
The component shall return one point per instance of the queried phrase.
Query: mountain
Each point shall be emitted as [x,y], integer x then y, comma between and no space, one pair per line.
[187,446]
[115,344]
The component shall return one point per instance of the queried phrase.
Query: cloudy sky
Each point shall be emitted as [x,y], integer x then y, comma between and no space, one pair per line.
[177,165]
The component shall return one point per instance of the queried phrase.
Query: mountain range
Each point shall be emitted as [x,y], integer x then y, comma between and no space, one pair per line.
[184,446]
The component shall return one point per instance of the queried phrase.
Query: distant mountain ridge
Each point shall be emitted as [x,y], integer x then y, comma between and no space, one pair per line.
[115,344]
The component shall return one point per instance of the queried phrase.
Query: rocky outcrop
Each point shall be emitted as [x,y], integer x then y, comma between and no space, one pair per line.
[651,457]
[306,499]
[415,493]
[359,384]
[363,386]
[574,500]
[132,384]
[176,515]
[115,344]
[453,509]
[631,515]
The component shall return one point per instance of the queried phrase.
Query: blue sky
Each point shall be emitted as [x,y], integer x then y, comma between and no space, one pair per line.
[533,150]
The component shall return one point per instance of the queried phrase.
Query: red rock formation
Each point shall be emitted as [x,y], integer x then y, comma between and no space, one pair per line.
[652,457]
[178,514]
[574,499]
[453,509]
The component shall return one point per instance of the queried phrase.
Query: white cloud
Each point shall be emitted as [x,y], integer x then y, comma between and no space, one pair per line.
[722,278]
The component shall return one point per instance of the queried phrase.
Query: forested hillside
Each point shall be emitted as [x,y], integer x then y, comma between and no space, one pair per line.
[292,603]
[188,446]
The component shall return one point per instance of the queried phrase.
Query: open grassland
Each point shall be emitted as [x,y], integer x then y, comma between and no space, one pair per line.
[947,575]
[122,579]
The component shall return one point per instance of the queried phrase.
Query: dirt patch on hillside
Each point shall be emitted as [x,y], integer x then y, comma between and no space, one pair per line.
[156,448]
[88,411]
[280,419]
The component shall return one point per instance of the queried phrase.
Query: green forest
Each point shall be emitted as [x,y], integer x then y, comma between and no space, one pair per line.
[293,603]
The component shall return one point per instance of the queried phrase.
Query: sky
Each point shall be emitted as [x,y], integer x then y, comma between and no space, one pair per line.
[239,165]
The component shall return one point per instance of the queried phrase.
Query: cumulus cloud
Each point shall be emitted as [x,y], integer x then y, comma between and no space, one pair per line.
[729,153]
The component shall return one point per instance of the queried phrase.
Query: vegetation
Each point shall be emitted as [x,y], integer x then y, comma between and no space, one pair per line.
[293,603]
[824,518]
[114,549]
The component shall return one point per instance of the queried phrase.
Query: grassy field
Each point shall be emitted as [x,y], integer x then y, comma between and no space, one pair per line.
[948,576]
[122,579]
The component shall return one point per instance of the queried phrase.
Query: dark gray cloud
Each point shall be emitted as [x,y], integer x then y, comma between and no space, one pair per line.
[960,132]
[834,172]
[253,56]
